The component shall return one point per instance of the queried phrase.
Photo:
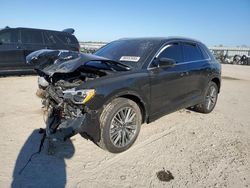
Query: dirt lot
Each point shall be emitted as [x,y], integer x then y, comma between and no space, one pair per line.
[195,150]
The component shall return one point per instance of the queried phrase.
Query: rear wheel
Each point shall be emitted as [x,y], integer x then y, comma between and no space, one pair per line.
[209,100]
[120,124]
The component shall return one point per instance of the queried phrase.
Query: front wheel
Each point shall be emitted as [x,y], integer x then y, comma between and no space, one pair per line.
[209,100]
[120,124]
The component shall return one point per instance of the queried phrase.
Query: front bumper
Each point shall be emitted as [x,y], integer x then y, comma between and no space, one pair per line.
[59,129]
[56,128]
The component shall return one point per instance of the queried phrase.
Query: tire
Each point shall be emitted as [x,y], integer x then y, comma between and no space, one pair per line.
[117,132]
[211,95]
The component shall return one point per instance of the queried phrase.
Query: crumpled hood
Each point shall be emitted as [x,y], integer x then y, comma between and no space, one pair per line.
[63,61]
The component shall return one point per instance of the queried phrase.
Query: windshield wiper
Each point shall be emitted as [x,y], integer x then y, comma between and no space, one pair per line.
[117,64]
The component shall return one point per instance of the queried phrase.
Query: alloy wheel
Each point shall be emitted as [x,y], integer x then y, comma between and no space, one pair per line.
[211,97]
[123,127]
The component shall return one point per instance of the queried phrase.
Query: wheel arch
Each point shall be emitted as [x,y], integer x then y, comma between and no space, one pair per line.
[217,81]
[139,102]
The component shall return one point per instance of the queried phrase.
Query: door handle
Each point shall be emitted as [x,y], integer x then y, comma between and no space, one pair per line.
[18,47]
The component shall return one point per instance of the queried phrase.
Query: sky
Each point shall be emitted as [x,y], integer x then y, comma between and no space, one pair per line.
[213,22]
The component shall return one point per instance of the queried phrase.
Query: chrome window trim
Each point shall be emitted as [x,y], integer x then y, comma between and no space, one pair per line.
[161,50]
[164,46]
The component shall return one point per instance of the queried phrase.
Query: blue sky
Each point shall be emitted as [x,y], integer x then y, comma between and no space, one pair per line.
[214,22]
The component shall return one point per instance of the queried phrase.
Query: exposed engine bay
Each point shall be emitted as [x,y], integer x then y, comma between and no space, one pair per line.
[60,74]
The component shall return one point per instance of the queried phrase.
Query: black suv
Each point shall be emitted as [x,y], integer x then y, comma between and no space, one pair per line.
[107,96]
[17,43]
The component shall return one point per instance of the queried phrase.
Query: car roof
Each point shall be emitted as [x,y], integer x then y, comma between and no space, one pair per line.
[10,28]
[163,39]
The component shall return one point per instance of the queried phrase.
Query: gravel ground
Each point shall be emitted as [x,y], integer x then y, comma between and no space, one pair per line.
[184,148]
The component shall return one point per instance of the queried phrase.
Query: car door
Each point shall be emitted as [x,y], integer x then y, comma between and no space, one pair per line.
[197,63]
[11,54]
[168,85]
[32,40]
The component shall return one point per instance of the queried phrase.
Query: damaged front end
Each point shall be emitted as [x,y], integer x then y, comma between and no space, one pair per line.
[62,115]
[61,73]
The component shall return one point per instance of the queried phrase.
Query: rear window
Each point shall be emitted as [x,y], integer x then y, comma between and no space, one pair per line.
[31,37]
[191,52]
[10,36]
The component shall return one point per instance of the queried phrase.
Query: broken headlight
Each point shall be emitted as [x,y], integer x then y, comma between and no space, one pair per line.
[79,96]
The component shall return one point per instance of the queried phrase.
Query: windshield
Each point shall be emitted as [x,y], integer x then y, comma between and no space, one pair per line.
[132,53]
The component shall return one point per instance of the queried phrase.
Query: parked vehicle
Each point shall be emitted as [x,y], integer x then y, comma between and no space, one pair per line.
[107,96]
[17,43]
[236,59]
[226,59]
[241,60]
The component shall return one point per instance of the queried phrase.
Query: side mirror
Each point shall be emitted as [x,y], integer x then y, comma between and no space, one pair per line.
[1,42]
[166,62]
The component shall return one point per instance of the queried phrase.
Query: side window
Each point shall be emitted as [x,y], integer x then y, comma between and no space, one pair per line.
[59,38]
[7,37]
[172,51]
[50,38]
[204,53]
[191,52]
[73,39]
[31,37]
[66,38]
